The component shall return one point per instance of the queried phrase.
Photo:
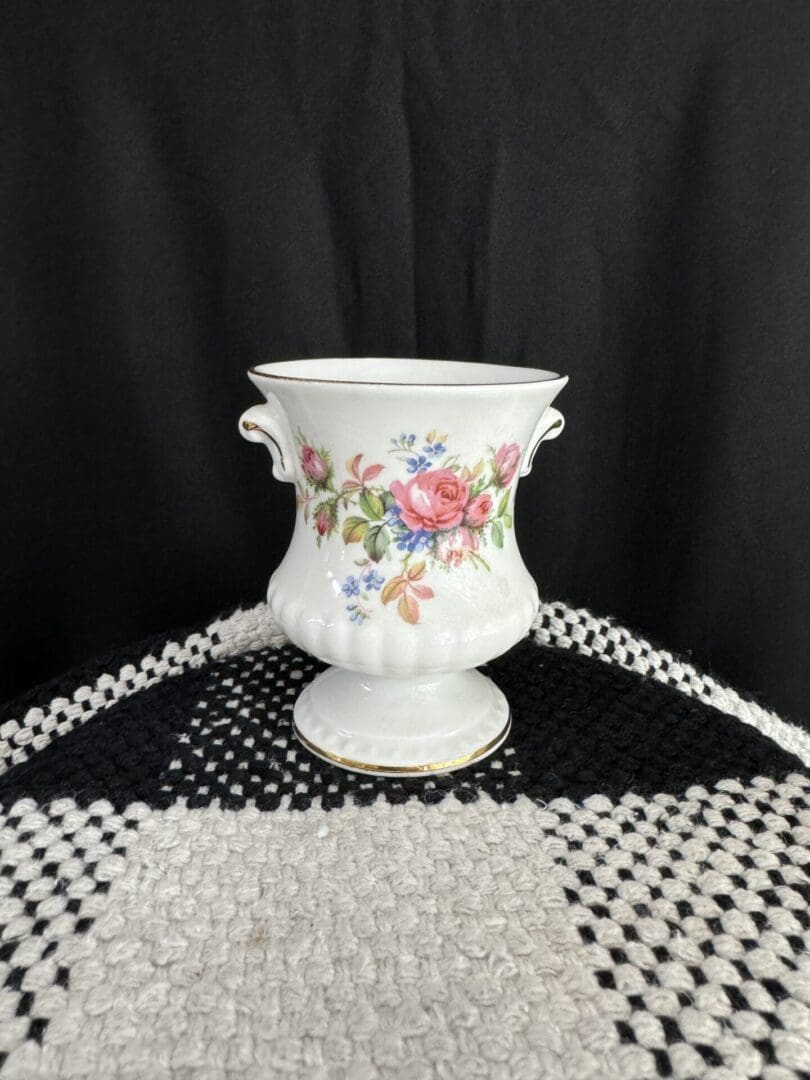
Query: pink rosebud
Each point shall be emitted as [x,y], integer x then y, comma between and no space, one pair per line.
[432,500]
[478,510]
[505,462]
[314,465]
[451,546]
[323,521]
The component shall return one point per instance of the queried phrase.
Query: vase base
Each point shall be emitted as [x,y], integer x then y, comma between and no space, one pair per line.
[401,727]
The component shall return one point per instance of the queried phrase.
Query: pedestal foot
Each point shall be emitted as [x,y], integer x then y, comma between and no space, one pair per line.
[401,727]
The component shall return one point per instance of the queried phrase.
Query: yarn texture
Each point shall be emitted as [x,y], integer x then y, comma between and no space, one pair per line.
[621,891]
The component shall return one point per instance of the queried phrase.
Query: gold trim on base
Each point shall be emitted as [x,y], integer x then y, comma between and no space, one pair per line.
[394,770]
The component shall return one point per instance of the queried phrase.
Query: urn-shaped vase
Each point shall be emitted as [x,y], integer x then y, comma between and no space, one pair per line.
[403,573]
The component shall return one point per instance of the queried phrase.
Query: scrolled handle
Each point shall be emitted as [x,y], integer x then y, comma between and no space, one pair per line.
[549,426]
[262,424]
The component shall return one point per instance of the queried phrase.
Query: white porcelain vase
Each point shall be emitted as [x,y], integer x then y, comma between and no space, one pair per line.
[403,572]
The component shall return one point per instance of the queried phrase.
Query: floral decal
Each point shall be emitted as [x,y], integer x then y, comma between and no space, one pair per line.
[435,515]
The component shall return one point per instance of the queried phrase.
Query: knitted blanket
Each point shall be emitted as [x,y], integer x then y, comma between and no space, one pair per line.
[621,891]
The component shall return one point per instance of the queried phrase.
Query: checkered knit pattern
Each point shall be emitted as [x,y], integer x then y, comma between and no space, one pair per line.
[621,891]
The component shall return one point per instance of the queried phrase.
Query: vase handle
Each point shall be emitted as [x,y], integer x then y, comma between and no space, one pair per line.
[265,423]
[549,426]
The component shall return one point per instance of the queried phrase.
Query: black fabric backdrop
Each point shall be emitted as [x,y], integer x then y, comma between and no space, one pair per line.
[618,191]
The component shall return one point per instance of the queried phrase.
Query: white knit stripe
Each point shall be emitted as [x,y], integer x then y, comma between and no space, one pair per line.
[20,738]
[563,627]
[556,624]
[240,632]
[385,941]
[254,628]
[453,939]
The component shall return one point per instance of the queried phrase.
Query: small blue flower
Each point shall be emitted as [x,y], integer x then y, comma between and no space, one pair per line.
[404,442]
[414,541]
[372,580]
[418,464]
[356,613]
[392,518]
[351,586]
[436,449]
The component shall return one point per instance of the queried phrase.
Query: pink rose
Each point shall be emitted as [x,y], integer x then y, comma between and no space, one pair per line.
[314,465]
[451,546]
[432,500]
[478,510]
[323,522]
[506,462]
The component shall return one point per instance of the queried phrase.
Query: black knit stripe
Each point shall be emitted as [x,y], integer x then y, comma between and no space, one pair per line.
[223,733]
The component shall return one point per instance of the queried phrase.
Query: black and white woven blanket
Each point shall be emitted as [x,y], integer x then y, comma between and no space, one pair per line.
[187,894]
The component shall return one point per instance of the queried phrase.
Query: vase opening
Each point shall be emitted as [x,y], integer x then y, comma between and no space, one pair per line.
[395,371]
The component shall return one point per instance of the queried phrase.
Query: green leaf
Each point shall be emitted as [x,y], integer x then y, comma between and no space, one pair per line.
[372,505]
[376,542]
[507,521]
[388,500]
[497,534]
[354,529]
[502,505]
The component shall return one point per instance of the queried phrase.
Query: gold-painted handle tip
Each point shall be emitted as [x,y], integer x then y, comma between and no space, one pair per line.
[250,425]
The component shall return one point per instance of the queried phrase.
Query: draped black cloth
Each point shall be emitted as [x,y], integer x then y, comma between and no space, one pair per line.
[618,192]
